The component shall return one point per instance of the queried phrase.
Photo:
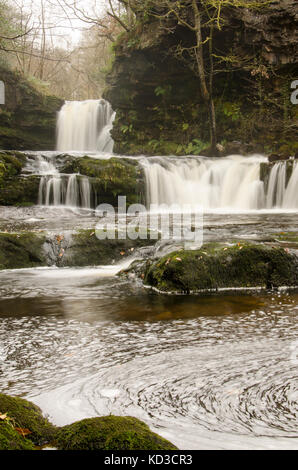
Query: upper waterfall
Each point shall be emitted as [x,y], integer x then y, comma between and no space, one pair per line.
[85,126]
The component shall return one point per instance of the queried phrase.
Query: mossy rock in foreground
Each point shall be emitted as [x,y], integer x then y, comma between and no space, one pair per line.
[110,433]
[22,250]
[10,439]
[217,266]
[25,415]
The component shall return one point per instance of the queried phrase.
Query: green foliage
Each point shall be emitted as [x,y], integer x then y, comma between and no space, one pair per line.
[195,147]
[126,128]
[154,144]
[232,110]
[163,90]
[133,42]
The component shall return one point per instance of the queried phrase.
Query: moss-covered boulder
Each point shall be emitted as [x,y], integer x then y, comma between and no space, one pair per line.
[217,266]
[10,439]
[110,433]
[23,415]
[22,250]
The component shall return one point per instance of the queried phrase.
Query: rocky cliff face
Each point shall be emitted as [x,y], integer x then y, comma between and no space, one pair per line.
[157,97]
[28,118]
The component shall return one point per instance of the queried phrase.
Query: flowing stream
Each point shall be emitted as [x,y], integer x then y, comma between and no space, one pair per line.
[206,372]
[226,184]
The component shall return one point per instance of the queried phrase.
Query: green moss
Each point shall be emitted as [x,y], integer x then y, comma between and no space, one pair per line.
[216,266]
[25,415]
[16,189]
[110,178]
[22,250]
[110,433]
[11,439]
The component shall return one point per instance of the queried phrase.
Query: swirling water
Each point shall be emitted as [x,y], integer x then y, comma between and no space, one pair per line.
[208,372]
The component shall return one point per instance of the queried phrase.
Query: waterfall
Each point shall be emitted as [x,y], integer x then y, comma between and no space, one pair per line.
[276,185]
[290,200]
[85,126]
[231,183]
[67,190]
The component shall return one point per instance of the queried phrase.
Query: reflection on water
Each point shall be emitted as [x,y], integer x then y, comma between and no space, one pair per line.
[205,372]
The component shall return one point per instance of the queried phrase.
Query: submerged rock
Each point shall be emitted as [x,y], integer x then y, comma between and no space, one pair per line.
[218,267]
[23,415]
[110,433]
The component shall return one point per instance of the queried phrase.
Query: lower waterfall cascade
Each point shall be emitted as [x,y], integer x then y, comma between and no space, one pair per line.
[232,182]
[228,183]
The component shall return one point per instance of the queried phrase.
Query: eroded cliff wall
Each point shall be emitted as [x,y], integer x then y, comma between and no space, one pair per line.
[28,117]
[158,100]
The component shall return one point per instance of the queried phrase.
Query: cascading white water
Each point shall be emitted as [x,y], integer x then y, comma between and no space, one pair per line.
[230,183]
[223,183]
[290,199]
[69,190]
[85,126]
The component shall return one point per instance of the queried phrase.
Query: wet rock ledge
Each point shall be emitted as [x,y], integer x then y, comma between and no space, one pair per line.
[73,249]
[23,427]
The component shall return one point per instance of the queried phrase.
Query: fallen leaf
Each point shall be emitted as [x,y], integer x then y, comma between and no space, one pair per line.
[178,259]
[3,417]
[23,432]
[122,253]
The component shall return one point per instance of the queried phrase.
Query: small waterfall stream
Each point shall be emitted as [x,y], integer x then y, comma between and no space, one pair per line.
[67,190]
[85,126]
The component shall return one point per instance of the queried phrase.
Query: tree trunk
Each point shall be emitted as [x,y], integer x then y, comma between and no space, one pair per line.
[206,94]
